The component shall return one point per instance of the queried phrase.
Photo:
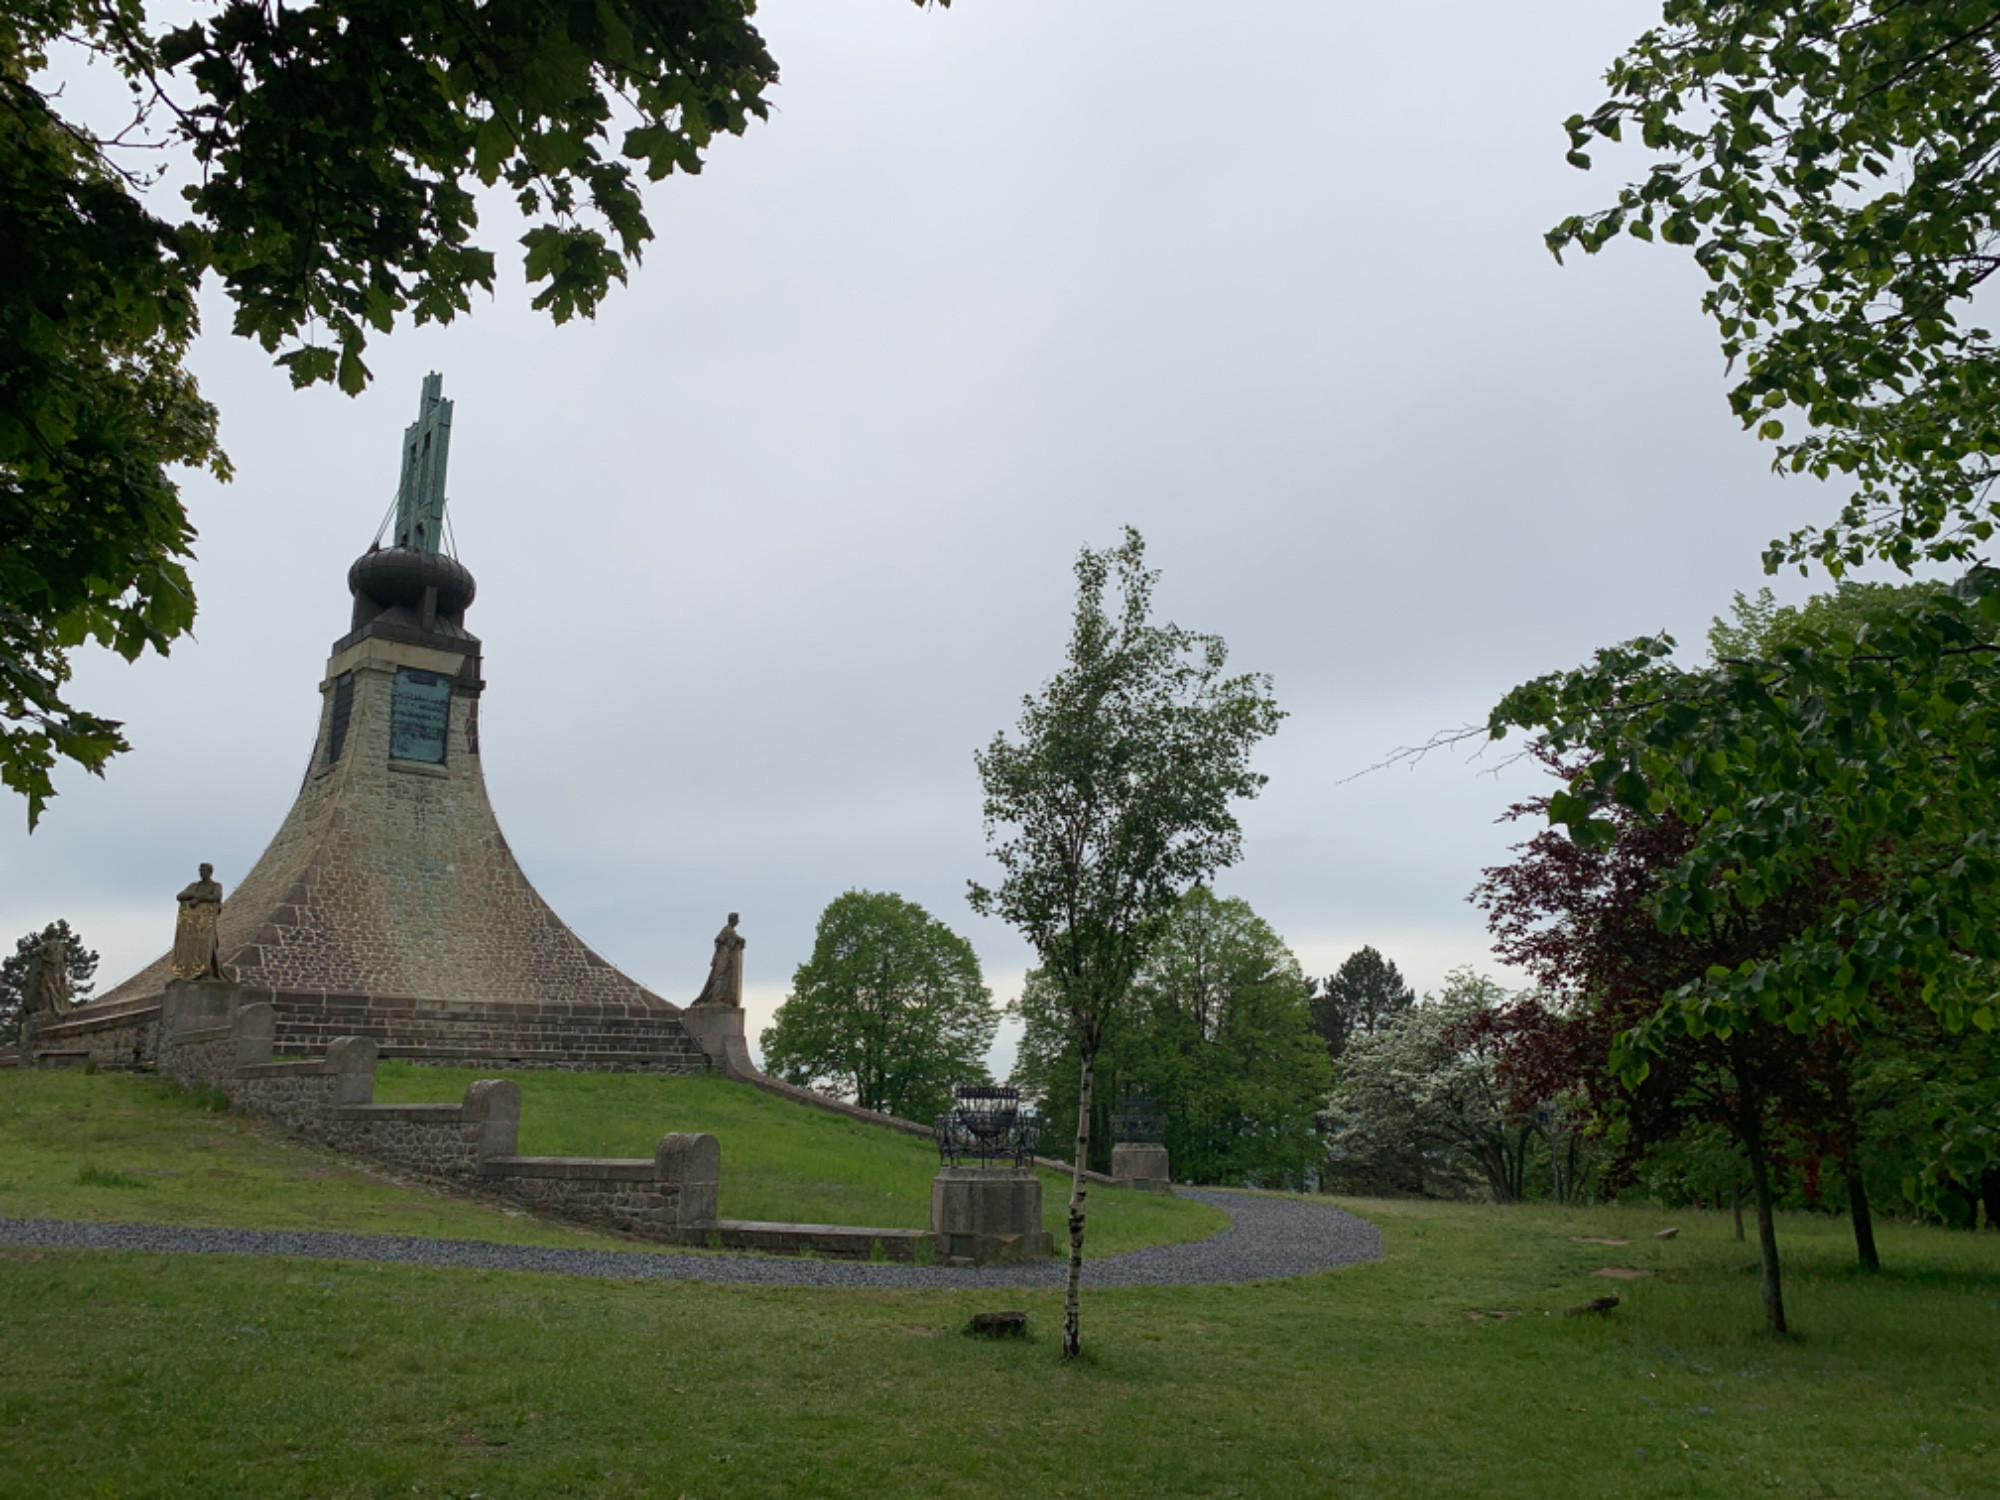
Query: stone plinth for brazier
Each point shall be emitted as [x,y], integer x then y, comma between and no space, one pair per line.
[983,1215]
[1142,1165]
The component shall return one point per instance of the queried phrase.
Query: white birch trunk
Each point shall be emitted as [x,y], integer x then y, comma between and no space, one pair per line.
[1072,1310]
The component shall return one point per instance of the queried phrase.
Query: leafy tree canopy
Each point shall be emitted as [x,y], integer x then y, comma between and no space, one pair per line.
[1218,1034]
[1419,1105]
[1115,799]
[1835,169]
[1859,753]
[890,1009]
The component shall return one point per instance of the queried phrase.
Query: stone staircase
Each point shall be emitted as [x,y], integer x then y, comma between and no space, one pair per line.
[577,1036]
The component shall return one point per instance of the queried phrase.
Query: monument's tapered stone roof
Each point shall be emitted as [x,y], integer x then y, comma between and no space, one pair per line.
[389,904]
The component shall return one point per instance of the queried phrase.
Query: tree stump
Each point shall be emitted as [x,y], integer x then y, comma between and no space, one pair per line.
[1008,1325]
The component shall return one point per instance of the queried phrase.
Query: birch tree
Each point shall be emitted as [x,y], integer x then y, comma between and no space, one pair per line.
[1111,802]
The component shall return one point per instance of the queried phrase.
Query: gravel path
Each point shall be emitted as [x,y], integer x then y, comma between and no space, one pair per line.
[1267,1237]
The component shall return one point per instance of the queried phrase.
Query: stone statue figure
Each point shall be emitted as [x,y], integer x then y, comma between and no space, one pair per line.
[47,989]
[725,970]
[195,953]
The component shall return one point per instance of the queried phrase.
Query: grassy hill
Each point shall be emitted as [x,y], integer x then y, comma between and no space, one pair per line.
[780,1160]
[114,1147]
[166,1376]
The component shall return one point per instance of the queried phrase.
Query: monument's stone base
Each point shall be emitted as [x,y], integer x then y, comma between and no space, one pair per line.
[984,1215]
[1140,1165]
[718,1031]
[213,1036]
[575,1036]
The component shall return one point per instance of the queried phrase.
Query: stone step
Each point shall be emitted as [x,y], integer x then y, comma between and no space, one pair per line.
[61,1057]
[834,1241]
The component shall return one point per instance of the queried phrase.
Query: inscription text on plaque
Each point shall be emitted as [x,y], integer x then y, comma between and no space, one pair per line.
[419,716]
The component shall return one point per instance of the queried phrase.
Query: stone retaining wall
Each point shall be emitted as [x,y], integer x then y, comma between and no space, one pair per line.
[570,1036]
[120,1041]
[211,1038]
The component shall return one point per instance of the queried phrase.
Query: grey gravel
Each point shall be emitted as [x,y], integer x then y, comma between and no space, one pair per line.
[1267,1237]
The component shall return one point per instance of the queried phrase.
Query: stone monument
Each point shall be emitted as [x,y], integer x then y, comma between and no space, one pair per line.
[725,970]
[986,1200]
[195,955]
[45,994]
[715,1020]
[389,905]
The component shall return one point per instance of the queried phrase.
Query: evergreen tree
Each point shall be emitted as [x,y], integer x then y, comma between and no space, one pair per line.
[1359,999]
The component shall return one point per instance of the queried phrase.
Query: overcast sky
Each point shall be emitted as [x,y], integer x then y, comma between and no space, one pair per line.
[770,547]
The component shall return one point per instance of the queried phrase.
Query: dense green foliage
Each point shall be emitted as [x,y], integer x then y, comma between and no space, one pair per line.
[890,1010]
[1114,800]
[1835,169]
[81,962]
[1434,1371]
[1778,863]
[96,313]
[1218,1034]
[339,147]
[1855,759]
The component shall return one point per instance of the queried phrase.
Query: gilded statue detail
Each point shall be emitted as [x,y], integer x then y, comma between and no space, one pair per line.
[195,953]
[725,970]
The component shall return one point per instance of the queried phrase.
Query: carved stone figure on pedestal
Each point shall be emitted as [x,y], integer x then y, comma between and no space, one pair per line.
[46,994]
[195,953]
[715,1020]
[725,970]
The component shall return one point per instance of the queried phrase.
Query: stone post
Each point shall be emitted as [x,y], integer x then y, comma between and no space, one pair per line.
[1141,1165]
[494,1105]
[254,1029]
[693,1163]
[352,1059]
[988,1214]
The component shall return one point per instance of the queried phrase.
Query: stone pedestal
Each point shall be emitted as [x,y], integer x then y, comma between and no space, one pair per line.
[718,1031]
[1141,1165]
[197,1005]
[983,1215]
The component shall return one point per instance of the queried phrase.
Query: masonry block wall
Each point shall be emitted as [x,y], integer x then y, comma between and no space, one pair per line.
[213,1038]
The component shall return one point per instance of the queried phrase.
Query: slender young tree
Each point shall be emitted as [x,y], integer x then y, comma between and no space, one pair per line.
[1113,801]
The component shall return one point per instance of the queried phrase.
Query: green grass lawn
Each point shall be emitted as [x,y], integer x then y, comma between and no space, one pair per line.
[111,1146]
[140,1375]
[780,1160]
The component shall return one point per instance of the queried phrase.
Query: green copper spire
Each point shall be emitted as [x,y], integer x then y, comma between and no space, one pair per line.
[426,448]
